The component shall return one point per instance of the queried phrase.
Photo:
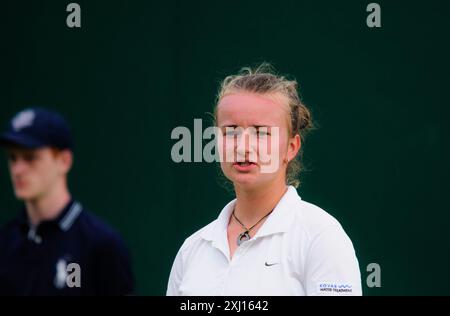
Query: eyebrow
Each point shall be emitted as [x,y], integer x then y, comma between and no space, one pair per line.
[256,126]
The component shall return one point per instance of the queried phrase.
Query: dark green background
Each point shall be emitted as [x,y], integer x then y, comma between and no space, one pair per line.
[137,69]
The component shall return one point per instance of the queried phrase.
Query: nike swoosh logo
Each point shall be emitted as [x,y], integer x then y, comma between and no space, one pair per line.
[270,264]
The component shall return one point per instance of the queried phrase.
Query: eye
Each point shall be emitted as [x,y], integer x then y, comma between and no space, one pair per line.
[231,132]
[12,157]
[30,157]
[263,132]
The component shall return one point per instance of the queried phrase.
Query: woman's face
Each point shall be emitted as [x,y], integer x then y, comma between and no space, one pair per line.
[255,144]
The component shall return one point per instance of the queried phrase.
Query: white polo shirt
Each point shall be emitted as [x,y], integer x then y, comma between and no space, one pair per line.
[299,250]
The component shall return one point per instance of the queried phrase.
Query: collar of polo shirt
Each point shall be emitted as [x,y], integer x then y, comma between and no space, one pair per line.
[64,220]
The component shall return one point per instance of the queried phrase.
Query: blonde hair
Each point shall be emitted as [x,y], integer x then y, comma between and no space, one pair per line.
[262,80]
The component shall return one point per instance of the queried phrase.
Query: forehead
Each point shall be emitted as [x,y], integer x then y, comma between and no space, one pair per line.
[250,109]
[17,150]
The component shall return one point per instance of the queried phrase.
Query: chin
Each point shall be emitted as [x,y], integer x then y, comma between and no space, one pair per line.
[246,181]
[24,195]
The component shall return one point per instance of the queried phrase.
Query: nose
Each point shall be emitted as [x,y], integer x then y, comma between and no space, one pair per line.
[246,145]
[242,144]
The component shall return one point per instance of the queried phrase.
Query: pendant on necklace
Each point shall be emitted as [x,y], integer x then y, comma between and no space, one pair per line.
[243,237]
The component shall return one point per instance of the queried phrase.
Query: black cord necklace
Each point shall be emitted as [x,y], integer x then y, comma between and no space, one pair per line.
[244,236]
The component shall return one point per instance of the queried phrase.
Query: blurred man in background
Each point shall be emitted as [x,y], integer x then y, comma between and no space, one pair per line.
[54,246]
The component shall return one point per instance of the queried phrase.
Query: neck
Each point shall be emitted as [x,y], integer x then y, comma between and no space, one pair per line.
[48,206]
[253,204]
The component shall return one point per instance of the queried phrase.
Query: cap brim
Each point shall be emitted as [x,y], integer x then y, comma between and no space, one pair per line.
[20,140]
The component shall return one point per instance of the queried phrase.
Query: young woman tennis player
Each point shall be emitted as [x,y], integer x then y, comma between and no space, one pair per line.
[267,241]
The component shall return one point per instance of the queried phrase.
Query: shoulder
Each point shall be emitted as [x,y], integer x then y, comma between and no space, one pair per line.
[312,219]
[323,239]
[198,237]
[208,233]
[110,259]
[98,232]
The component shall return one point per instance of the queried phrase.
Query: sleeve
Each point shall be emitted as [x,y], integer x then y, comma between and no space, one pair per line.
[331,265]
[114,276]
[176,275]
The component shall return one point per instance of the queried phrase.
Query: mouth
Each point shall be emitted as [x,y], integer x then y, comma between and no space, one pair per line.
[244,165]
[20,183]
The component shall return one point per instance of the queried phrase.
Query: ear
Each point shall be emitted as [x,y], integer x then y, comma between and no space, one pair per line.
[66,160]
[294,145]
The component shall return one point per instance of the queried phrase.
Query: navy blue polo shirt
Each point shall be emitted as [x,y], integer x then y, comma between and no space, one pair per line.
[35,260]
